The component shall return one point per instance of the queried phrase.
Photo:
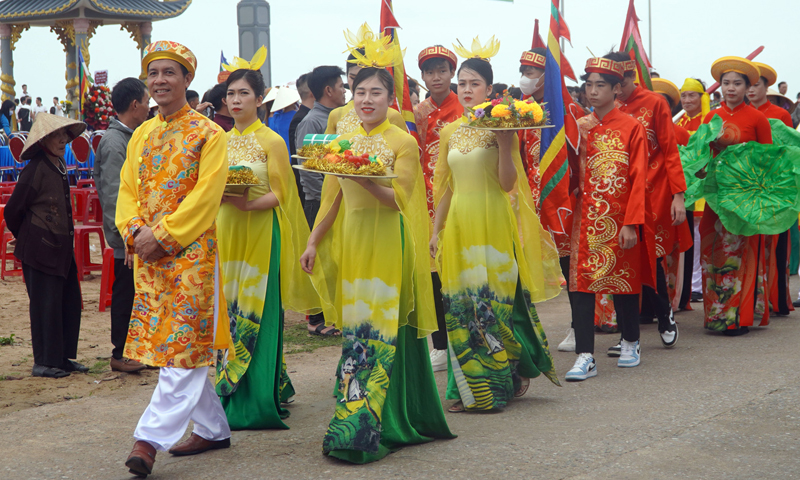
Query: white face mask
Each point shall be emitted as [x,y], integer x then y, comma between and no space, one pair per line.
[528,85]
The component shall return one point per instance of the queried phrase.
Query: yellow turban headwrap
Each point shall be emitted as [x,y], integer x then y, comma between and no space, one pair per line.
[692,85]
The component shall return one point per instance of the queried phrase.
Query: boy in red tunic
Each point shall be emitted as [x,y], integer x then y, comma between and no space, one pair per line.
[734,275]
[665,186]
[776,246]
[612,242]
[438,66]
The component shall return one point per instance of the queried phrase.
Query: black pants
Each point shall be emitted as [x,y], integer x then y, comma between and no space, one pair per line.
[781,269]
[564,262]
[658,302]
[627,307]
[55,315]
[311,209]
[439,337]
[688,265]
[122,293]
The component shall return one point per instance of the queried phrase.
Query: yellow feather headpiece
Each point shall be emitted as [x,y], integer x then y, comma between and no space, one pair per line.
[361,37]
[484,52]
[378,53]
[254,64]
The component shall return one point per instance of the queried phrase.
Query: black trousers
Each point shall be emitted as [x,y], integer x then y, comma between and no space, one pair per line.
[782,267]
[122,293]
[311,209]
[688,265]
[55,309]
[657,301]
[627,307]
[439,337]
[564,263]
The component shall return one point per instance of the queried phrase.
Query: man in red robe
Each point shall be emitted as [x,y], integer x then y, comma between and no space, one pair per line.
[665,186]
[776,246]
[612,242]
[438,67]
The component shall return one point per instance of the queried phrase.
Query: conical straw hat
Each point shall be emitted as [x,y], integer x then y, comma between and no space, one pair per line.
[44,125]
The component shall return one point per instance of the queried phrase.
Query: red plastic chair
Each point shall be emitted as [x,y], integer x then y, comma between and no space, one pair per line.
[83,255]
[92,211]
[96,137]
[106,279]
[82,150]
[85,183]
[16,265]
[79,198]
[16,143]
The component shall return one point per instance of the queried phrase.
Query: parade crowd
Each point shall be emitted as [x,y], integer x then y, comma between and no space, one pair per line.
[456,243]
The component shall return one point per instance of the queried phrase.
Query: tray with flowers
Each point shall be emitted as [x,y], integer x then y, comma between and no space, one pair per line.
[508,113]
[339,158]
[240,178]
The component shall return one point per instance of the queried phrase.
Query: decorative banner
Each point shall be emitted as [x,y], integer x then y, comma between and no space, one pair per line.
[101,77]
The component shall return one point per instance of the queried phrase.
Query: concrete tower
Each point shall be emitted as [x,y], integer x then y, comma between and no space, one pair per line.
[253,19]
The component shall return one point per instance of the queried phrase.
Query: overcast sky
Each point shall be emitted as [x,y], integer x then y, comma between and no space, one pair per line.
[688,35]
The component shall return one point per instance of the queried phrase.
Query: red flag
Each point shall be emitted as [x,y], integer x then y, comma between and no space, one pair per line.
[566,68]
[402,93]
[632,30]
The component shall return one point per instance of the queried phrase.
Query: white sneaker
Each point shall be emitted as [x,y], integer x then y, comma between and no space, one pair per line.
[439,360]
[631,354]
[616,350]
[585,367]
[670,337]
[568,345]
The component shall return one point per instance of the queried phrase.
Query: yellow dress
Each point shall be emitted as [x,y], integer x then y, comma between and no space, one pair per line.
[344,120]
[260,275]
[495,261]
[172,181]
[372,275]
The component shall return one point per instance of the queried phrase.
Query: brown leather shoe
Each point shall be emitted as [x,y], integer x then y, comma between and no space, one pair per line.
[197,444]
[140,461]
[126,365]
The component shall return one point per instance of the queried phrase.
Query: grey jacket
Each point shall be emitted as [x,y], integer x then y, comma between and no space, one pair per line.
[108,161]
[316,121]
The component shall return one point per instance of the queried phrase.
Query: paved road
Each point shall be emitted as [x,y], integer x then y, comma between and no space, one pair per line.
[713,407]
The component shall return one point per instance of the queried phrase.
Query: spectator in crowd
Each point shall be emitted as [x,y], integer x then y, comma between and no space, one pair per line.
[57,109]
[283,110]
[497,90]
[326,85]
[38,108]
[221,115]
[39,214]
[783,87]
[5,116]
[24,115]
[130,100]
[796,112]
[192,98]
[413,88]
[306,104]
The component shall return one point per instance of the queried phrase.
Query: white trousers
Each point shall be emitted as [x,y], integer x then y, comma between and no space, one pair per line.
[697,273]
[182,394]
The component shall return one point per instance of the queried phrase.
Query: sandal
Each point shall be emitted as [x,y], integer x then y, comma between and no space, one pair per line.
[48,372]
[457,407]
[523,388]
[321,331]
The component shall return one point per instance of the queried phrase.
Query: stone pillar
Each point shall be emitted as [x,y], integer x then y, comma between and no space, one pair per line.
[253,19]
[6,63]
[145,29]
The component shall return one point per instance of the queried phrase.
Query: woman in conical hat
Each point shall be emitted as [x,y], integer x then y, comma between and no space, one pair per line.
[39,214]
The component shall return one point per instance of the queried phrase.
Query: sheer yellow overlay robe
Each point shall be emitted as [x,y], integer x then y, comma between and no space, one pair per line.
[344,120]
[372,274]
[495,261]
[172,181]
[246,247]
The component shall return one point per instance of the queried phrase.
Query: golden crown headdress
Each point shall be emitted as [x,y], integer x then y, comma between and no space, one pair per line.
[478,50]
[359,39]
[374,52]
[254,64]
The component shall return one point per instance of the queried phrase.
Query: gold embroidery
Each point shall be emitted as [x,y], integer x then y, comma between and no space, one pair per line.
[374,145]
[466,139]
[607,173]
[348,123]
[245,150]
